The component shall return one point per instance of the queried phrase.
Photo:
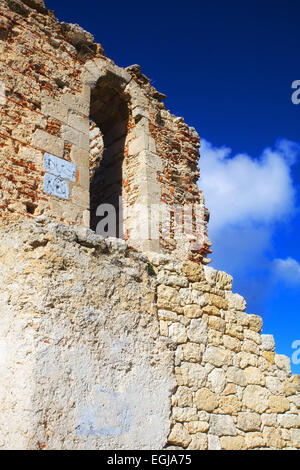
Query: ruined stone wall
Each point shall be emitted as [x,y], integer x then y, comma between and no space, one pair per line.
[105,348]
[54,80]
[107,344]
[82,363]
[234,391]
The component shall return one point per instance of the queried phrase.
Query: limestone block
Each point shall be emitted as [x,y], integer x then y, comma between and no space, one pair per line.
[168,263]
[193,271]
[275,385]
[184,414]
[167,315]
[142,143]
[76,103]
[250,347]
[254,440]
[80,157]
[184,396]
[53,108]
[70,135]
[80,196]
[138,98]
[233,443]
[230,404]
[269,419]
[210,274]
[234,330]
[192,311]
[217,356]
[179,436]
[171,279]
[168,298]
[269,356]
[249,421]
[256,398]
[192,352]
[230,389]
[216,300]
[198,442]
[177,333]
[191,297]
[295,438]
[232,343]
[254,376]
[278,404]
[252,336]
[292,385]
[217,323]
[267,343]
[235,301]
[222,425]
[193,375]
[236,375]
[206,400]
[273,438]
[164,328]
[211,310]
[224,280]
[242,319]
[255,323]
[197,331]
[48,142]
[289,420]
[198,426]
[138,112]
[213,442]
[283,362]
[217,380]
[81,124]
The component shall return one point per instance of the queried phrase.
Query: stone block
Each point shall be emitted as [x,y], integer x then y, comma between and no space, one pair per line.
[179,436]
[49,143]
[53,108]
[206,400]
[222,425]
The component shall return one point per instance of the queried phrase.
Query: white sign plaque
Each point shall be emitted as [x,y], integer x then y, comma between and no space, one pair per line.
[56,186]
[59,167]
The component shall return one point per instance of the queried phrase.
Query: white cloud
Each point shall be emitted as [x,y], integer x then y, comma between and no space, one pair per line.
[240,190]
[247,198]
[287,269]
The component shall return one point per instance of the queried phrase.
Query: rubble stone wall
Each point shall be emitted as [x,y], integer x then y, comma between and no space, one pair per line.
[105,348]
[131,343]
[54,80]
[234,391]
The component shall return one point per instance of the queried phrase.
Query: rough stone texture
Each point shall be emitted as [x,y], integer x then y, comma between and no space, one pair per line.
[56,78]
[116,343]
[82,364]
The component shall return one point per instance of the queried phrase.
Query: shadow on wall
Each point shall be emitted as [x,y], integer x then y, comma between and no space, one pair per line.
[109,114]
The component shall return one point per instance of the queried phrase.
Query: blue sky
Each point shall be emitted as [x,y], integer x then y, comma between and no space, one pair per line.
[228,68]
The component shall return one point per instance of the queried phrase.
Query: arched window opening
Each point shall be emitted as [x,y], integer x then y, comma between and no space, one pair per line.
[108,131]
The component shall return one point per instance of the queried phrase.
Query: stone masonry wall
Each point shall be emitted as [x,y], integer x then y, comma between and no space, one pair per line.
[105,348]
[234,391]
[55,79]
[82,363]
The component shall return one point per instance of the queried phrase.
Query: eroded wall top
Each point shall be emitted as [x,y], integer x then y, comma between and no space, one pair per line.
[77,131]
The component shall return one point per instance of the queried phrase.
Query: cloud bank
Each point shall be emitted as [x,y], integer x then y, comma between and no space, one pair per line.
[249,199]
[240,189]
